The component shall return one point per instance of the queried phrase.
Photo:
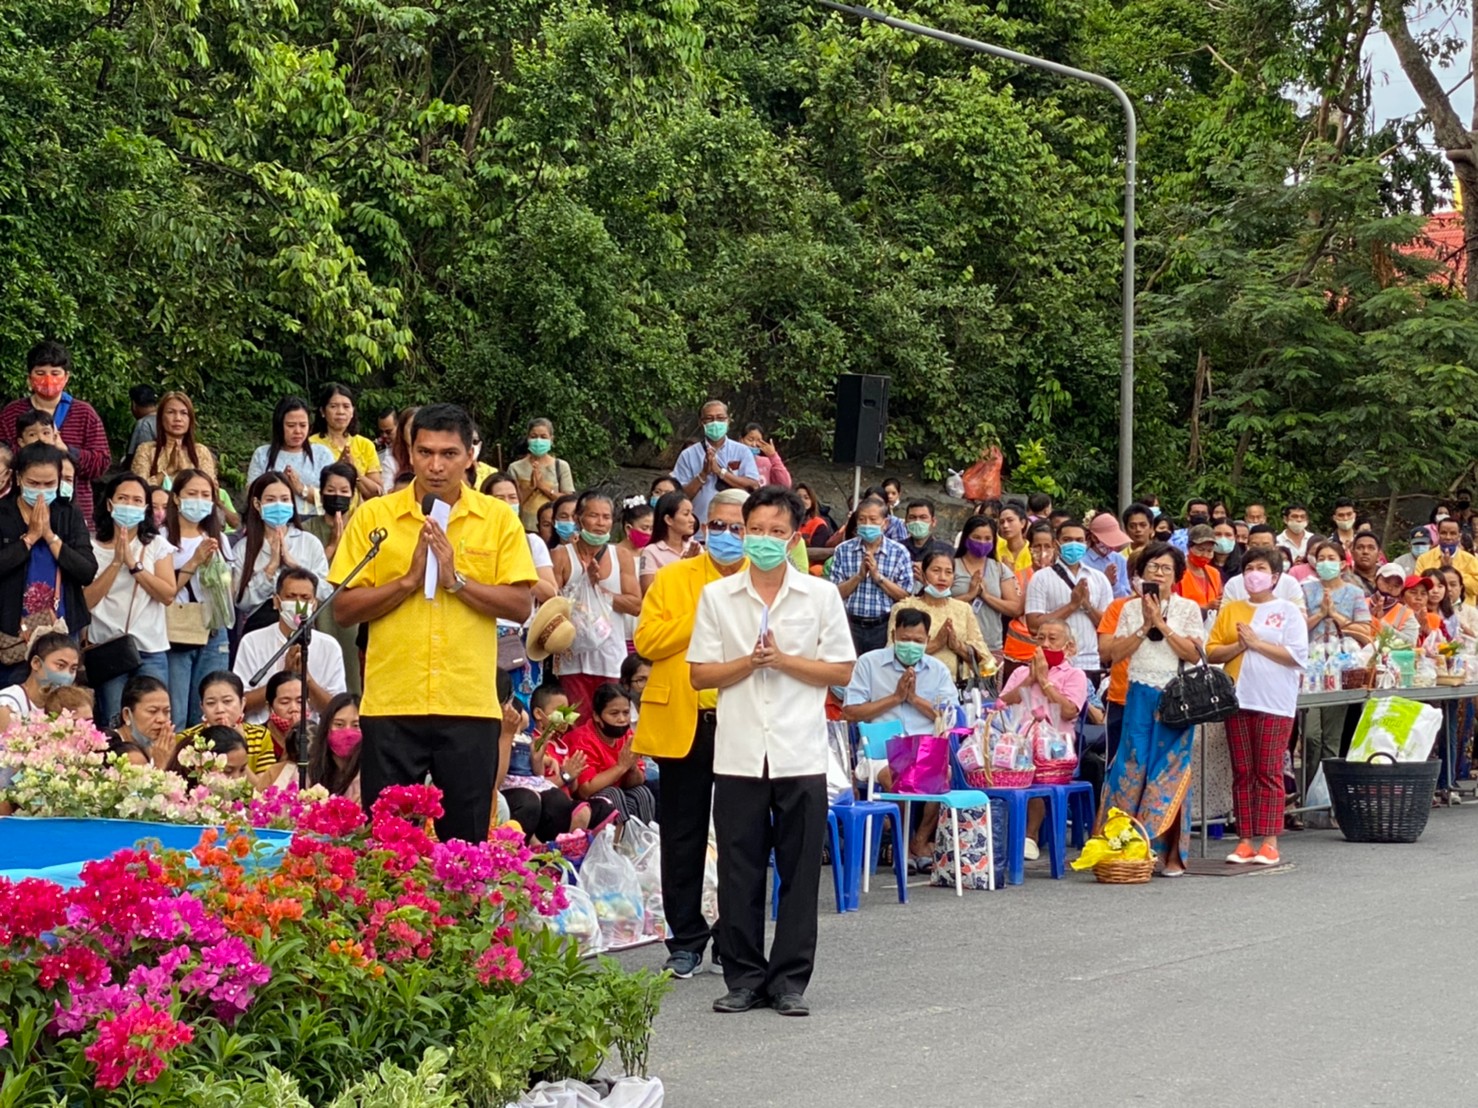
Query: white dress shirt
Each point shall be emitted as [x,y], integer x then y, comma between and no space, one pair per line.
[770,718]
[325,663]
[1047,592]
[1286,588]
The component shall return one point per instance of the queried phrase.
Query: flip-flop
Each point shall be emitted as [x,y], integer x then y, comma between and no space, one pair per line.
[576,810]
[592,832]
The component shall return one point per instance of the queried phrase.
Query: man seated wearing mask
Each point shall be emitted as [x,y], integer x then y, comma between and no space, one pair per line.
[901,684]
[1421,542]
[1450,552]
[1260,537]
[295,600]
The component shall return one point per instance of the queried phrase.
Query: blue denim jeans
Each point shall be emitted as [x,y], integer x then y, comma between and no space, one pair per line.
[188,665]
[110,694]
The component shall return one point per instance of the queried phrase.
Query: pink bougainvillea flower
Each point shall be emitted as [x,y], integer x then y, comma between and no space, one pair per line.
[29,909]
[135,1045]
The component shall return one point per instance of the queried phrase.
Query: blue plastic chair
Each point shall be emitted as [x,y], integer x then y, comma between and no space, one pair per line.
[836,869]
[861,850]
[874,738]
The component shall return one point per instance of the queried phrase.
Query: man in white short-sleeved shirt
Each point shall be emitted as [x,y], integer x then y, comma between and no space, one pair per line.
[1068,590]
[296,589]
[771,640]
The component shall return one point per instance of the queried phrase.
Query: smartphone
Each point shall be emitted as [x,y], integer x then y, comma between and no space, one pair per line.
[1151,588]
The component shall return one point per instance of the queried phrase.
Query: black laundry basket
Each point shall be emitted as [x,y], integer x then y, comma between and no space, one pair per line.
[1380,802]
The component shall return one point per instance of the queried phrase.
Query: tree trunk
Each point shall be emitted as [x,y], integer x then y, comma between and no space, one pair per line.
[1385,541]
[1458,142]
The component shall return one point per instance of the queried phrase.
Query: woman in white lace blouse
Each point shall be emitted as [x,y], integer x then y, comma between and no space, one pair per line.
[1151,774]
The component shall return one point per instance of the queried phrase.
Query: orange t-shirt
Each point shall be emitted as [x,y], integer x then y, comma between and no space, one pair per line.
[1205,593]
[1118,690]
[1019,644]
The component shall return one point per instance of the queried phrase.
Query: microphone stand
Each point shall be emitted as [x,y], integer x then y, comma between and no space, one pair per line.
[303,635]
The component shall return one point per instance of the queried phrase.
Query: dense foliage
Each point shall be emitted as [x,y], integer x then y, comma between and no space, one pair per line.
[602,211]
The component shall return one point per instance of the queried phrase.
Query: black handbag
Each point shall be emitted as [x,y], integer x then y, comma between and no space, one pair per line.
[1198,694]
[115,657]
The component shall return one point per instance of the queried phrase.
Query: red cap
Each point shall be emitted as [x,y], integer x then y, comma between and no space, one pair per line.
[1416,581]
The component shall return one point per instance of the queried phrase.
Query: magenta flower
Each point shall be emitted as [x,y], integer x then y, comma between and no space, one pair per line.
[135,1045]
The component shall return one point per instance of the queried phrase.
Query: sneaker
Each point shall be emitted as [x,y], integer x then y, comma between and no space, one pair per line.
[1031,851]
[715,963]
[682,964]
[1267,856]
[1242,855]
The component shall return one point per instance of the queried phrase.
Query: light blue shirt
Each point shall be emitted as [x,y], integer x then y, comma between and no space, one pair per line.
[1101,562]
[877,674]
[308,466]
[733,456]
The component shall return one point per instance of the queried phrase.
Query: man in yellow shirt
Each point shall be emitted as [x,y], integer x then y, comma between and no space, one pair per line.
[1449,552]
[677,725]
[430,703]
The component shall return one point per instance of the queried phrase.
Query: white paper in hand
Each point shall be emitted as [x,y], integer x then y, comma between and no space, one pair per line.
[441,511]
[764,623]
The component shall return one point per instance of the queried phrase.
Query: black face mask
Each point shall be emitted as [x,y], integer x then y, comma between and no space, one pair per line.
[612,730]
[1198,518]
[336,505]
[1464,505]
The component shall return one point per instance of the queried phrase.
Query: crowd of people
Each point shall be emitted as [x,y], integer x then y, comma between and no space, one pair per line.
[572,658]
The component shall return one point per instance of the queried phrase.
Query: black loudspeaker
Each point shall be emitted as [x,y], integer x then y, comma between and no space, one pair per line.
[862,417]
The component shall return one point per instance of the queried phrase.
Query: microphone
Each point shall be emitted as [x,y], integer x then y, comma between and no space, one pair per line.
[427,503]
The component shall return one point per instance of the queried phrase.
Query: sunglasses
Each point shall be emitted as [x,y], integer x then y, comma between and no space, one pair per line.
[731,528]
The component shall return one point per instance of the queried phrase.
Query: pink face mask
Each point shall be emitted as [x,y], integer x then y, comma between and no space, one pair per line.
[344,741]
[1258,580]
[638,539]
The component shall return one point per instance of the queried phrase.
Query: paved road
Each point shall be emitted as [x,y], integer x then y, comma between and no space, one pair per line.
[1342,980]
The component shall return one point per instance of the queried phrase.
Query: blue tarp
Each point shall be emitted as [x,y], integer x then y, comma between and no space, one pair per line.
[56,849]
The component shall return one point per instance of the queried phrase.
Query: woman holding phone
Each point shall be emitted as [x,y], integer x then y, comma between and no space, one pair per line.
[1151,773]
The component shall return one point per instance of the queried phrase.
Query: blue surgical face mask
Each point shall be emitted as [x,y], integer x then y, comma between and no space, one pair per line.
[539,447]
[127,515]
[1072,552]
[566,528]
[65,490]
[196,510]
[1449,548]
[716,430]
[937,594]
[30,496]
[54,679]
[277,515]
[756,451]
[869,532]
[725,547]
[1420,548]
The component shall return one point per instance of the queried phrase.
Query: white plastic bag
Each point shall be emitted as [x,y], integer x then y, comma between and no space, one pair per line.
[591,613]
[610,879]
[710,882]
[642,844]
[625,1092]
[839,759]
[1318,797]
[579,921]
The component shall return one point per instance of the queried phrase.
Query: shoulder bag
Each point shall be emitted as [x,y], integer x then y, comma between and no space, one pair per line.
[116,657]
[1198,694]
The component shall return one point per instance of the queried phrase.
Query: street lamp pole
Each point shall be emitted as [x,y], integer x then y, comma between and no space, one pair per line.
[1126,370]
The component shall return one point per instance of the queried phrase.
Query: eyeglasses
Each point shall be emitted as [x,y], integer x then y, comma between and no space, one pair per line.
[731,528]
[1158,569]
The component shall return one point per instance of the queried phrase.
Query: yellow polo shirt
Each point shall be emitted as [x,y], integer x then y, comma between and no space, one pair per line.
[435,657]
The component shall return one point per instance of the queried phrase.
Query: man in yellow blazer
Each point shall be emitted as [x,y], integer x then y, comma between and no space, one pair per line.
[677,724]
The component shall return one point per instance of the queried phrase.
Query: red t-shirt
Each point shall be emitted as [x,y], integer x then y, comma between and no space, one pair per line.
[600,755]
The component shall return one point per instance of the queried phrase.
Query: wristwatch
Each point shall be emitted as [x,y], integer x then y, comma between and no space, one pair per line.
[458,583]
[136,568]
[567,778]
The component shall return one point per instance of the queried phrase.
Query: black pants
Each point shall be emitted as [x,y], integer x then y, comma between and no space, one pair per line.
[684,805]
[743,811]
[868,634]
[459,752]
[543,815]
